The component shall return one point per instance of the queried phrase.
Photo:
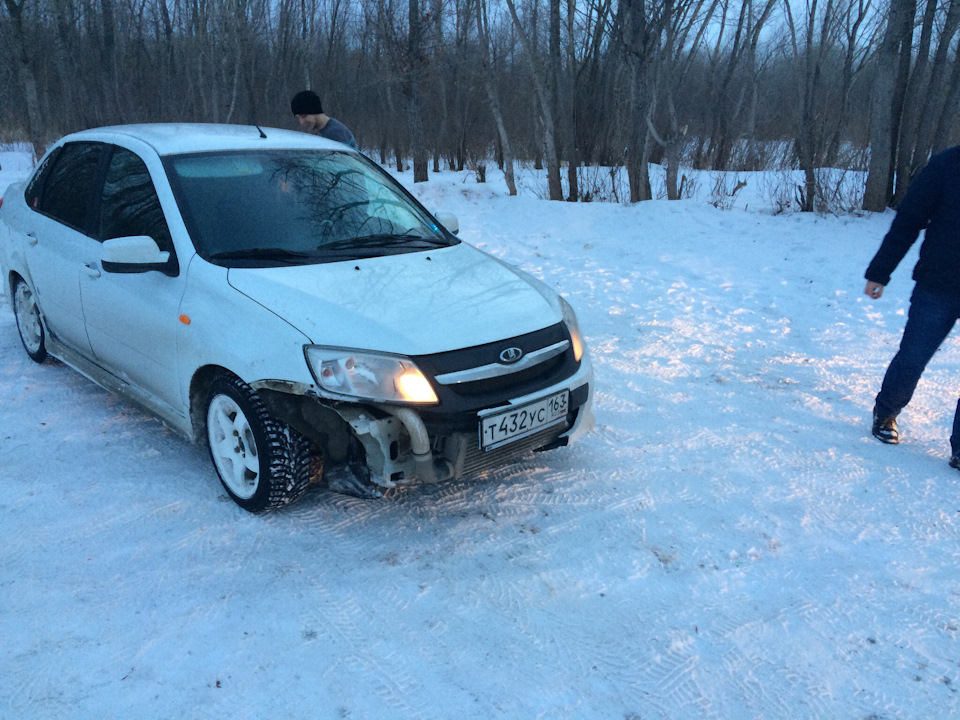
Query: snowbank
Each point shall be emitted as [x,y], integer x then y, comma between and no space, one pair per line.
[729,542]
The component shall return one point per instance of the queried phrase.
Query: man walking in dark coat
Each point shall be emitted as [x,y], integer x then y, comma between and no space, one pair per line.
[932,202]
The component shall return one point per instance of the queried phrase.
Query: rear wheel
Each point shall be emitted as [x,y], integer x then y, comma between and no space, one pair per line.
[28,322]
[263,463]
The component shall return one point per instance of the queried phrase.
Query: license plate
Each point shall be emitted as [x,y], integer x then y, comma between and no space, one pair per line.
[517,422]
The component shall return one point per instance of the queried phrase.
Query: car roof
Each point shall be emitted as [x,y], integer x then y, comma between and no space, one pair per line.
[176,138]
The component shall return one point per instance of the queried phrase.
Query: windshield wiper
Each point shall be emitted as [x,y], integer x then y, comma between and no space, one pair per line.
[261,254]
[385,240]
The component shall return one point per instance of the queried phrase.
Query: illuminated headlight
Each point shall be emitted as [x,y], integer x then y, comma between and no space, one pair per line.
[370,376]
[570,319]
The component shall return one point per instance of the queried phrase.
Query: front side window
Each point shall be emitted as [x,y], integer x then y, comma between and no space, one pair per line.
[267,208]
[68,191]
[130,204]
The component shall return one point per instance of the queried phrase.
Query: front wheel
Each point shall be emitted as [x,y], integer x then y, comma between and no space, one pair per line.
[29,324]
[263,463]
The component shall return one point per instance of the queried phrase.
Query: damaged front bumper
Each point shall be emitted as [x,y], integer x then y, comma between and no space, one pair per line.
[401,447]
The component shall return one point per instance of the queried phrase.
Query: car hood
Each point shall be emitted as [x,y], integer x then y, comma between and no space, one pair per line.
[411,304]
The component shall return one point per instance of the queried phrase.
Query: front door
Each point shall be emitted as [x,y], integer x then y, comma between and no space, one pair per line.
[132,318]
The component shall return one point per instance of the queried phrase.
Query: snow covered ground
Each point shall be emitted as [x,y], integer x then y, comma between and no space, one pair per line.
[728,543]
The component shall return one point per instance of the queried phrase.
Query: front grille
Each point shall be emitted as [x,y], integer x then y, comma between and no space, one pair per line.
[440,423]
[477,461]
[505,382]
[468,397]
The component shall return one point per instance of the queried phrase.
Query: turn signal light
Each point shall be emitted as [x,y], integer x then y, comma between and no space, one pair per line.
[415,387]
[577,345]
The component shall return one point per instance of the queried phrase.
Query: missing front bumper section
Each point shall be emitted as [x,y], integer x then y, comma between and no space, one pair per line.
[394,443]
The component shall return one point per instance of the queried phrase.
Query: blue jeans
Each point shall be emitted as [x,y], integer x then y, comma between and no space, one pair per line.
[930,320]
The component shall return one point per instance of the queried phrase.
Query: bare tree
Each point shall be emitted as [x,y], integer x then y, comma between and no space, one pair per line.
[951,106]
[885,108]
[415,67]
[856,51]
[578,81]
[821,96]
[546,108]
[681,18]
[493,94]
[925,92]
[568,103]
[27,78]
[637,36]
[727,102]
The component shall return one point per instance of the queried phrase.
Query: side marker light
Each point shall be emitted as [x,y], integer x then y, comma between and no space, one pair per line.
[185,319]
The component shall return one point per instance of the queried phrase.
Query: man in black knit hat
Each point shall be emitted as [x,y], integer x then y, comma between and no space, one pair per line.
[932,203]
[306,106]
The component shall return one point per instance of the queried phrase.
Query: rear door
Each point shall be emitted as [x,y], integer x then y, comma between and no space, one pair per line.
[58,246]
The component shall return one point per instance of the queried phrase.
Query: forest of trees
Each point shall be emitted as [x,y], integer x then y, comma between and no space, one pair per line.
[860,84]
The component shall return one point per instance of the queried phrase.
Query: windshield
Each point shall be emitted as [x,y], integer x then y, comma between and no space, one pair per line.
[293,207]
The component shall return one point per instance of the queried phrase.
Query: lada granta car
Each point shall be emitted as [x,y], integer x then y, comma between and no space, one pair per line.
[280,298]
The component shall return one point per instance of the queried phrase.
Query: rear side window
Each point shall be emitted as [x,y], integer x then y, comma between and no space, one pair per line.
[35,187]
[130,203]
[68,190]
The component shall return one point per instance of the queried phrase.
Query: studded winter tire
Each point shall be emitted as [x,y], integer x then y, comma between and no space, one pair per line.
[29,324]
[263,463]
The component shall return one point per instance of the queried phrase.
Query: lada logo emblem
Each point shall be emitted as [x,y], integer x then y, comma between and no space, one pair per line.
[511,355]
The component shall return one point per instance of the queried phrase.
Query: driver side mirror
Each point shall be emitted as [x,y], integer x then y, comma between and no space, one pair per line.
[449,221]
[134,254]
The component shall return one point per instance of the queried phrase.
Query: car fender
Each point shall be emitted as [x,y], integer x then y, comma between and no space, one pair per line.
[6,242]
[13,236]
[221,327]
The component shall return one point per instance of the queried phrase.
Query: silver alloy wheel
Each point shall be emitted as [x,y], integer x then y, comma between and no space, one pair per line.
[28,319]
[233,446]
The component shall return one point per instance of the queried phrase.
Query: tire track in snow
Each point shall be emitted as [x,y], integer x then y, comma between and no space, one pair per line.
[339,621]
[749,659]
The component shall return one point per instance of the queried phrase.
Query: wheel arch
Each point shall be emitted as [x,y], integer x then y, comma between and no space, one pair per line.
[281,455]
[199,384]
[328,430]
[13,277]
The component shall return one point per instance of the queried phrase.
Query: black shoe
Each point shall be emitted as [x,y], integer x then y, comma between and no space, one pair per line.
[955,461]
[885,430]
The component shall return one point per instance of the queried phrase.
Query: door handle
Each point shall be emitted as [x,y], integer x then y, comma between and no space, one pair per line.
[91,269]
[32,238]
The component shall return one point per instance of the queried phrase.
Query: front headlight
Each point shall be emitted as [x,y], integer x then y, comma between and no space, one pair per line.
[369,376]
[570,319]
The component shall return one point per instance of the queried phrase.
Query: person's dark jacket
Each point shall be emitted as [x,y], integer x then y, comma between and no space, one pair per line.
[931,202]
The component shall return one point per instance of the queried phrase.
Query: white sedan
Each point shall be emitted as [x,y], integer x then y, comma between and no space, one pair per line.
[282,299]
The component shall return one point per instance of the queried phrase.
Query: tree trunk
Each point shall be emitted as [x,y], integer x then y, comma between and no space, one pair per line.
[553,79]
[917,87]
[546,115]
[414,112]
[65,60]
[393,136]
[108,71]
[489,80]
[570,123]
[934,97]
[948,116]
[878,191]
[636,44]
[27,79]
